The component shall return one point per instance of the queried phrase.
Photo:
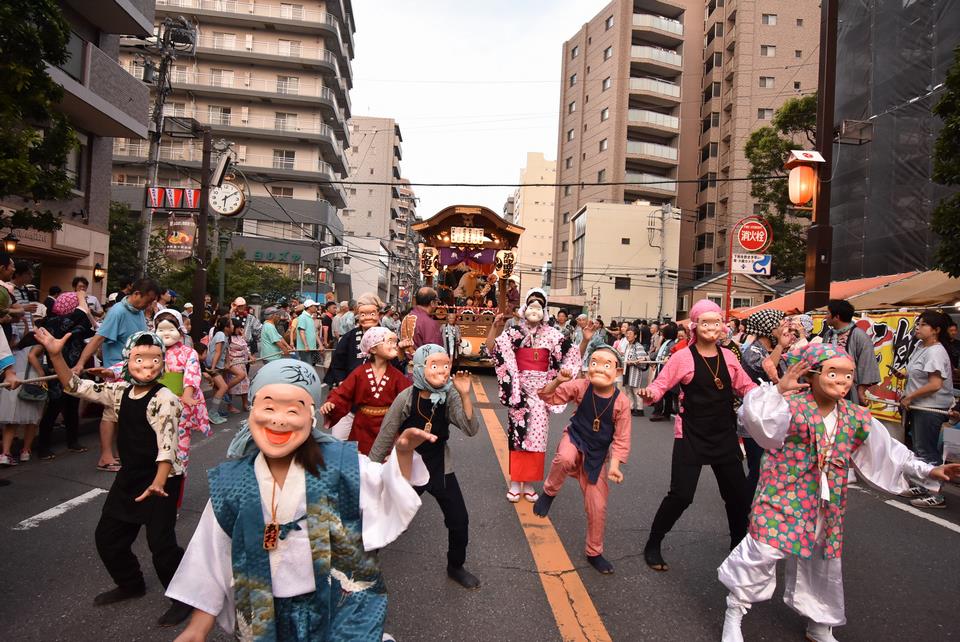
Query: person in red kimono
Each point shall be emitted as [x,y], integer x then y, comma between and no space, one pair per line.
[369,390]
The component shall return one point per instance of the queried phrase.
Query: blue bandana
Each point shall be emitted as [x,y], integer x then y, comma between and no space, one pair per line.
[437,395]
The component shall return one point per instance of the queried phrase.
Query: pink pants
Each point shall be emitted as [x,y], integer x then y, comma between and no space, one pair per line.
[568,462]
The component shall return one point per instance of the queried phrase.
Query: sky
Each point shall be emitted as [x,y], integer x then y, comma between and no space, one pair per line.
[473,86]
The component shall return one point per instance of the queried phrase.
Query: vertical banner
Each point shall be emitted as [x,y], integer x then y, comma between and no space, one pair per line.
[191,198]
[155,197]
[174,196]
[178,242]
[893,341]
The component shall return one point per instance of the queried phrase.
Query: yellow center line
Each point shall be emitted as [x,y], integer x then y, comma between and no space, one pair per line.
[576,616]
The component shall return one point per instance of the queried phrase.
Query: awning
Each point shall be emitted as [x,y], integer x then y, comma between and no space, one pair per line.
[922,289]
[793,302]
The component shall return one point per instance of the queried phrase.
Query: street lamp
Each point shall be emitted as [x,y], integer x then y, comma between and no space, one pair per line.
[98,273]
[10,243]
[802,181]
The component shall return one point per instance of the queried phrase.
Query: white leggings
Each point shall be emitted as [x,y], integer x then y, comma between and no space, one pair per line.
[814,586]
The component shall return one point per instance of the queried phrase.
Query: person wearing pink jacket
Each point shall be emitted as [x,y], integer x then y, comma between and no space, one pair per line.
[705,431]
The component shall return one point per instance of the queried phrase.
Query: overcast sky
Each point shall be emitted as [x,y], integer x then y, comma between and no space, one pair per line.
[474,87]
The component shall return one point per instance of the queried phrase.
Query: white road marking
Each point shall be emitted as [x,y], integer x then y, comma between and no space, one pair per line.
[58,510]
[922,515]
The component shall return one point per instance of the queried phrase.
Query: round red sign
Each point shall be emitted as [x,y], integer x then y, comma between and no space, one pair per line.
[753,236]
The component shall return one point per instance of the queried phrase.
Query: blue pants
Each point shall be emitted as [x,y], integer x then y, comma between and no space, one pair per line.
[925,428]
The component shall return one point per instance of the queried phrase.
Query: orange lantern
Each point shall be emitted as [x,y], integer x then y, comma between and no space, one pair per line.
[802,183]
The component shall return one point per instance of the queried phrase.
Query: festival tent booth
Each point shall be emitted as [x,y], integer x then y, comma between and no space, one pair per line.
[792,303]
[471,241]
[922,289]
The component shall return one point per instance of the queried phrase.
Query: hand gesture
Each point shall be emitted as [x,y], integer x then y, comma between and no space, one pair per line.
[789,382]
[564,375]
[51,344]
[462,381]
[327,408]
[945,472]
[645,393]
[589,330]
[905,402]
[10,380]
[102,373]
[615,475]
[411,438]
[500,320]
[152,489]
[189,401]
[787,336]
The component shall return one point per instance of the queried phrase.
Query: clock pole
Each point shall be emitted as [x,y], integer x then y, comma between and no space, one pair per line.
[202,258]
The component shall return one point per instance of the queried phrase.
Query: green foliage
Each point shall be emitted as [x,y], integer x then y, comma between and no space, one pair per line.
[124,230]
[946,171]
[243,278]
[35,138]
[767,149]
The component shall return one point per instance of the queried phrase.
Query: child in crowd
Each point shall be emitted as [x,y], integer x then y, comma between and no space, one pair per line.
[147,487]
[450,332]
[598,431]
[634,358]
[216,382]
[237,360]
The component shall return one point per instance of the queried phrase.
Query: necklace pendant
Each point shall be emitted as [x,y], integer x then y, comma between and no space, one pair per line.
[271,534]
[596,425]
[718,383]
[427,427]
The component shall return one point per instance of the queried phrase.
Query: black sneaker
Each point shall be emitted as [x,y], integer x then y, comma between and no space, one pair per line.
[463,577]
[119,594]
[177,613]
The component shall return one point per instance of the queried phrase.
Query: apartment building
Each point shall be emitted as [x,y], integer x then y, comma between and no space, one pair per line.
[272,79]
[756,56]
[101,101]
[533,209]
[381,209]
[628,120]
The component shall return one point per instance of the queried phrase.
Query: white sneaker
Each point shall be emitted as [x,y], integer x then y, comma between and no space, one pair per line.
[732,621]
[24,456]
[7,460]
[819,632]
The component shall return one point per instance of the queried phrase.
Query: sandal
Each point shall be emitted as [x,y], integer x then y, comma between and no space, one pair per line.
[513,497]
[109,468]
[530,496]
[77,448]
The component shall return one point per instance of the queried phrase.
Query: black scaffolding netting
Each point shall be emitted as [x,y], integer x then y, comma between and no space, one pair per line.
[891,56]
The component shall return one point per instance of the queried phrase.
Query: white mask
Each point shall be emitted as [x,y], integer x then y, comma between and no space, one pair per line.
[168,333]
[534,312]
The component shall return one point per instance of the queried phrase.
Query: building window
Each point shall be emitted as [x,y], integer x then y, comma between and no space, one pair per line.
[563,246]
[573,80]
[291,11]
[621,283]
[285,121]
[799,22]
[602,176]
[764,113]
[289,48]
[768,51]
[282,192]
[603,145]
[224,40]
[716,298]
[798,53]
[175,109]
[219,115]
[569,134]
[572,107]
[741,302]
[288,85]
[567,190]
[178,73]
[705,241]
[769,19]
[796,85]
[767,82]
[568,162]
[369,213]
[624,241]
[608,24]
[608,53]
[574,52]
[604,114]
[605,85]
[221,77]
[566,217]
[284,158]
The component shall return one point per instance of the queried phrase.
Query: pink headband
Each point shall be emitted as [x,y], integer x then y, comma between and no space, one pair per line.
[372,338]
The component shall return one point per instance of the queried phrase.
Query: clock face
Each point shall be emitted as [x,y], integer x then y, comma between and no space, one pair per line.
[228,199]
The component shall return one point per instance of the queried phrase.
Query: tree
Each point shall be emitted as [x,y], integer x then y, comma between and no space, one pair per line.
[767,150]
[243,278]
[946,171]
[124,253]
[35,138]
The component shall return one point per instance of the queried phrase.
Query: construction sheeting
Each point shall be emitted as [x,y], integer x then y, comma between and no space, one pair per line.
[890,56]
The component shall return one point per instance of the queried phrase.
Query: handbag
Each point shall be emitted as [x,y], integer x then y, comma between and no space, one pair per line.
[36,392]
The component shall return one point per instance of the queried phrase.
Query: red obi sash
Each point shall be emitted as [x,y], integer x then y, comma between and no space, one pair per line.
[533,359]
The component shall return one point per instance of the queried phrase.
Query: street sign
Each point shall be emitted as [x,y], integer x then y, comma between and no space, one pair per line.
[755,264]
[754,236]
[333,250]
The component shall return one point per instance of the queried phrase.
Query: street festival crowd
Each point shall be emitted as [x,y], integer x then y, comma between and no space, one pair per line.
[347,409]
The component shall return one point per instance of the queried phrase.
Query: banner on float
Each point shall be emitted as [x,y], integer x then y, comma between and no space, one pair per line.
[893,341]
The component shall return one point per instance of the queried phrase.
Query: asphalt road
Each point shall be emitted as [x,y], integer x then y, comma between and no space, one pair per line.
[900,570]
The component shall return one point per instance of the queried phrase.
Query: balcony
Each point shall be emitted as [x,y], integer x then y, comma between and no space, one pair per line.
[653,122]
[652,183]
[286,19]
[656,60]
[302,167]
[658,30]
[652,153]
[656,91]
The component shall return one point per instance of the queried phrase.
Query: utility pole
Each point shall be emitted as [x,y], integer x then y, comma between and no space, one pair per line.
[657,238]
[820,235]
[203,260]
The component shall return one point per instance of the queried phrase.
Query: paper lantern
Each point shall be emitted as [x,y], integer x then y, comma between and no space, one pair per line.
[504,263]
[802,184]
[429,261]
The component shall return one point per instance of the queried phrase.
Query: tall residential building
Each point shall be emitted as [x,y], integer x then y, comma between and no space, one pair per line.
[533,209]
[272,78]
[374,210]
[756,56]
[628,120]
[101,101]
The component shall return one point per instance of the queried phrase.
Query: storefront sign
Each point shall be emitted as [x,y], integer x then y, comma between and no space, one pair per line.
[264,256]
[333,250]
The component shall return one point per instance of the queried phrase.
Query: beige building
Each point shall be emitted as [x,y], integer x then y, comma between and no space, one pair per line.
[533,209]
[624,271]
[101,101]
[272,78]
[757,55]
[627,115]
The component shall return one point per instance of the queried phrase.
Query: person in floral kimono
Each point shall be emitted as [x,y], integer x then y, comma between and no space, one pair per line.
[812,438]
[527,357]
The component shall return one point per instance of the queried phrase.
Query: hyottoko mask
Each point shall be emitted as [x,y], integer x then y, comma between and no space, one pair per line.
[286,394]
[168,333]
[604,368]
